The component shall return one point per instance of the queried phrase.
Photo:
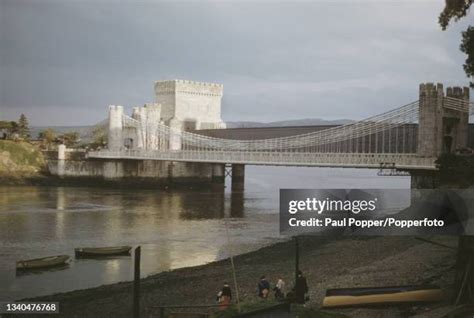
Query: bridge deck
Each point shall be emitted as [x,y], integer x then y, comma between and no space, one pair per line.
[345,160]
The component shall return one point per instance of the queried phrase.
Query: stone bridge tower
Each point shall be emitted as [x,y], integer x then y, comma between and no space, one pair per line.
[442,129]
[190,105]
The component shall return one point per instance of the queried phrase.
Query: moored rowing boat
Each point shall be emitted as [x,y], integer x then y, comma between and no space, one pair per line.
[43,262]
[103,251]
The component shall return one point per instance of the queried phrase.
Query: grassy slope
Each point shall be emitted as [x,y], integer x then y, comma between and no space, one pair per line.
[18,159]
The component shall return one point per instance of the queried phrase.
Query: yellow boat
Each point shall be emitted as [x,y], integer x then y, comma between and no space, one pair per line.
[44,262]
[381,296]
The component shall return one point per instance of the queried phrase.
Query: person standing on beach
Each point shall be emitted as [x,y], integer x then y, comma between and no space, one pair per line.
[280,289]
[263,287]
[224,297]
[301,288]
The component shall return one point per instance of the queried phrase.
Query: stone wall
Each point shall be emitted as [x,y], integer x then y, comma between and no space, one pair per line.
[77,166]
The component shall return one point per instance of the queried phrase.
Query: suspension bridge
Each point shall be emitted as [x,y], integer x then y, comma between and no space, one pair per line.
[409,137]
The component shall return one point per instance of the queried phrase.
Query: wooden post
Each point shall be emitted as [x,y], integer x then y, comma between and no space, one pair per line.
[136,283]
[297,258]
[463,282]
[236,286]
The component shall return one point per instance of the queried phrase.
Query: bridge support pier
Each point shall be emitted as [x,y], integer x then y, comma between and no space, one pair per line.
[218,175]
[113,169]
[238,176]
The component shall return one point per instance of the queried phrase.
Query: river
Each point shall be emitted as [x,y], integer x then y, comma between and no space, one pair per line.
[176,228]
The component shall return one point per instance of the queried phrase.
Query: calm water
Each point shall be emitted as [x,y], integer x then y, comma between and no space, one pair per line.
[175,228]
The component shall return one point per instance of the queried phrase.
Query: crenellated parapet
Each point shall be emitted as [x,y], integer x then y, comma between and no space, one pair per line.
[431,89]
[172,87]
[458,92]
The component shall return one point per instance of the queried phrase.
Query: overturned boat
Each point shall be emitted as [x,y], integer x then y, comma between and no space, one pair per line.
[102,251]
[371,296]
[45,262]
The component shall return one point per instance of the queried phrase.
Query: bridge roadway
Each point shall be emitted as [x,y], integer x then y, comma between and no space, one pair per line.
[341,160]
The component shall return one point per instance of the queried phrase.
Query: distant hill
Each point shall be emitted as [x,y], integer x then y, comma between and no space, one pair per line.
[85,132]
[285,123]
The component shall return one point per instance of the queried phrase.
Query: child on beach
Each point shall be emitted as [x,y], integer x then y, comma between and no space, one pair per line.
[263,288]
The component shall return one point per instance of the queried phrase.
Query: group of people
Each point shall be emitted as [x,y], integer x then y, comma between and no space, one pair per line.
[263,288]
[298,293]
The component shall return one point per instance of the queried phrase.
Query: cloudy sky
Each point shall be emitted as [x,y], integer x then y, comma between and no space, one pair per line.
[63,62]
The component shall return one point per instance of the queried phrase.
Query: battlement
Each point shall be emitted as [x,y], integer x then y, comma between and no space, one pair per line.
[188,87]
[458,92]
[115,108]
[431,89]
[187,82]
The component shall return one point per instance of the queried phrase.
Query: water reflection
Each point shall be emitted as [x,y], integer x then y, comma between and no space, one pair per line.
[179,229]
[174,228]
[237,204]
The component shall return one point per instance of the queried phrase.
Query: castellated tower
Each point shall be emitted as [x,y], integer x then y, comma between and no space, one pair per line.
[181,105]
[188,105]
[456,123]
[430,119]
[442,129]
[115,137]
[149,117]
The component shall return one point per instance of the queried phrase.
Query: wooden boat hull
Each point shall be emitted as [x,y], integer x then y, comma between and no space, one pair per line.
[381,296]
[102,251]
[45,262]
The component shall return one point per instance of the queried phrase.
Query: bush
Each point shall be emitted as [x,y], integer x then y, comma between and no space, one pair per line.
[456,168]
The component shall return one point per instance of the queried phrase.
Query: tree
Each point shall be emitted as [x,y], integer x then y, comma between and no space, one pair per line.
[14,128]
[48,136]
[99,137]
[5,129]
[9,129]
[23,127]
[467,46]
[70,139]
[5,124]
[456,10]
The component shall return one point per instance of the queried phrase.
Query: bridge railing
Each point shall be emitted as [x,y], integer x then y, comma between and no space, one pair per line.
[370,160]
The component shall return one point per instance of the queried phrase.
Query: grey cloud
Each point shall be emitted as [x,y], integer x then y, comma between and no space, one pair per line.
[277,60]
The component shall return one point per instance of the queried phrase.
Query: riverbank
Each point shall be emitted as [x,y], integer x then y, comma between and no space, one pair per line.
[347,262]
[20,163]
[25,164]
